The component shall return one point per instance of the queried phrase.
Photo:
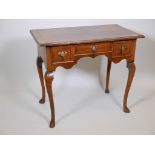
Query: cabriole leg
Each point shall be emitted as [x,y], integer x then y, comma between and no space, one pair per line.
[108,76]
[131,66]
[40,72]
[48,79]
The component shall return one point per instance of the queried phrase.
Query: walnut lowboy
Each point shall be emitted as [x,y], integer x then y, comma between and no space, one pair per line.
[65,46]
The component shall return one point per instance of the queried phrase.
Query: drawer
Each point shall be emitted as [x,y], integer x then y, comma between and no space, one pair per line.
[103,47]
[93,48]
[123,48]
[62,54]
[83,49]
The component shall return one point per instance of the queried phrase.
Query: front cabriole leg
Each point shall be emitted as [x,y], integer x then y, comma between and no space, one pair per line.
[48,79]
[131,66]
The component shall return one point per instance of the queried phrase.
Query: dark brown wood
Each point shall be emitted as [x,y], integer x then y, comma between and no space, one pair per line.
[131,66]
[83,34]
[118,52]
[85,49]
[108,76]
[56,54]
[49,78]
[65,46]
[40,72]
[113,50]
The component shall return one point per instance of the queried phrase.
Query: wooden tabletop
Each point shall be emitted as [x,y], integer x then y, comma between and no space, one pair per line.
[82,34]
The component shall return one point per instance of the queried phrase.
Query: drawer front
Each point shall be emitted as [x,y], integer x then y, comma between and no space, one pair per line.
[62,54]
[103,47]
[93,48]
[123,48]
[83,49]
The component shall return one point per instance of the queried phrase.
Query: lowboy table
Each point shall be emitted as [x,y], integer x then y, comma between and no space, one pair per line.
[65,46]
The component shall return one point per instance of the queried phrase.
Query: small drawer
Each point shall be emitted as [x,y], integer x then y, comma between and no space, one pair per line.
[83,49]
[62,54]
[103,47]
[123,48]
[93,48]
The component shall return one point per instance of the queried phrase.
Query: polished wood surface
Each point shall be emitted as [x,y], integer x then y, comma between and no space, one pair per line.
[83,34]
[68,55]
[49,79]
[131,66]
[65,46]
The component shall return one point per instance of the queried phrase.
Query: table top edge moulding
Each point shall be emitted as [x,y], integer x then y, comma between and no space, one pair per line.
[65,46]
[82,34]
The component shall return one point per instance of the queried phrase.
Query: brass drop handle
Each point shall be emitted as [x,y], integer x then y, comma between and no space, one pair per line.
[93,48]
[62,53]
[123,48]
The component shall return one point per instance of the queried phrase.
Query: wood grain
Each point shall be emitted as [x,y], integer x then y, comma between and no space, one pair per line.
[83,34]
[48,79]
[131,66]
